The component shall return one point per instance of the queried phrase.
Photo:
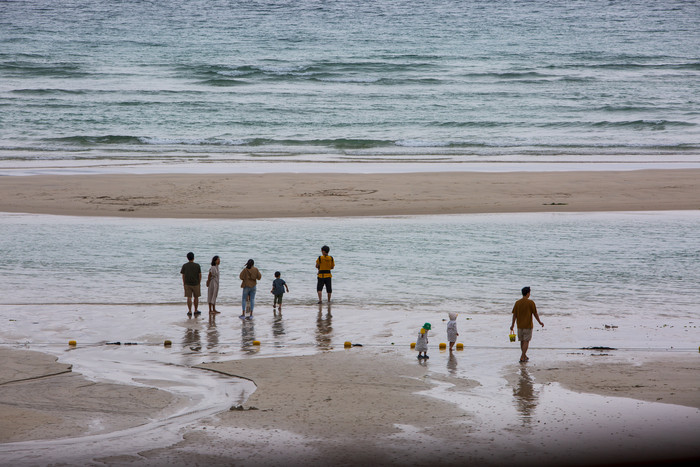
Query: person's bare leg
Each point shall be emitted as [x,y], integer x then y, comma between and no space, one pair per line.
[189,304]
[196,304]
[320,296]
[524,345]
[329,297]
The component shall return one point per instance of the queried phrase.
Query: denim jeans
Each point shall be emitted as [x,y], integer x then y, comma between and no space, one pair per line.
[248,292]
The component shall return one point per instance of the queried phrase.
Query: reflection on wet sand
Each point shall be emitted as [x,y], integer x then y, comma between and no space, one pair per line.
[192,339]
[525,395]
[278,327]
[324,328]
[452,364]
[191,344]
[212,333]
[247,336]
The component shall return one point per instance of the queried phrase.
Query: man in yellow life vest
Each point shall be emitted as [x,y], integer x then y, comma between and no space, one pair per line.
[324,264]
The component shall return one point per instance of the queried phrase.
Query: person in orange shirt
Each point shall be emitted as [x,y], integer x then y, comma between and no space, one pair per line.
[324,264]
[523,311]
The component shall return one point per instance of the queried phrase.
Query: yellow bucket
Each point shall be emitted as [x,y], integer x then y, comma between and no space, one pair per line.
[511,336]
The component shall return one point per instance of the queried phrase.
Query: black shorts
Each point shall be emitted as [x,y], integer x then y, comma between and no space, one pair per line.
[324,281]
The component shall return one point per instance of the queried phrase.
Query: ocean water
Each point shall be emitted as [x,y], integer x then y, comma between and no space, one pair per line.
[99,82]
[604,265]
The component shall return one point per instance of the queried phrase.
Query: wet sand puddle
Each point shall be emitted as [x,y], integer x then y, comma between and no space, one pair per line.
[199,394]
[503,403]
[509,410]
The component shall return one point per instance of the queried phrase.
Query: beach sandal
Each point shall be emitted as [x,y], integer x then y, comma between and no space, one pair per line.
[189,314]
[242,316]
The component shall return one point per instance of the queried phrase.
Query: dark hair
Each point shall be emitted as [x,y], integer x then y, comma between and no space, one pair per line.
[325,248]
[277,274]
[213,260]
[249,264]
[525,291]
[190,256]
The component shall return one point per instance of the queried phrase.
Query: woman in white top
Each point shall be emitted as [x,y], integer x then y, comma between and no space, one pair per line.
[213,284]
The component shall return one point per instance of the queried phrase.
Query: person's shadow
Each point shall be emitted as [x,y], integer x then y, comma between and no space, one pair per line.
[526,395]
[324,328]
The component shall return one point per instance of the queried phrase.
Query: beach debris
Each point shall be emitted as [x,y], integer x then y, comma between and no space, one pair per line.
[113,343]
[347,344]
[555,204]
[460,346]
[167,343]
[72,343]
[196,349]
[599,347]
[610,326]
[413,345]
[240,408]
[131,343]
[256,342]
[357,345]
[442,346]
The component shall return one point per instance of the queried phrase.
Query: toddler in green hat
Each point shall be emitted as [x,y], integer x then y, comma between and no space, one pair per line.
[422,341]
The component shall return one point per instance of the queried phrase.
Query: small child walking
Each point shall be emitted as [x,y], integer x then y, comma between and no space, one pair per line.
[452,329]
[278,287]
[422,341]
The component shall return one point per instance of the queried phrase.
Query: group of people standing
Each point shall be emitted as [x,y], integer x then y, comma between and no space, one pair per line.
[250,275]
[523,311]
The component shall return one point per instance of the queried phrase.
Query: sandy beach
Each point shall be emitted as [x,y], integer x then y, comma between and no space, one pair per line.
[360,406]
[365,405]
[320,195]
[448,153]
[43,399]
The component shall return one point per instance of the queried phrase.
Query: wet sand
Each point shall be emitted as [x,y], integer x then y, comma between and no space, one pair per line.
[43,399]
[375,406]
[670,380]
[314,195]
